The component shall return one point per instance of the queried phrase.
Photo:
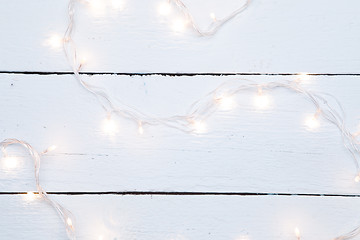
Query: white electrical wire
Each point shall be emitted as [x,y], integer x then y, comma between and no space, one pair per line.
[215,25]
[199,111]
[205,107]
[64,214]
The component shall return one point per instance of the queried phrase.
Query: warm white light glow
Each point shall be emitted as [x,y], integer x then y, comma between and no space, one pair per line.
[101,238]
[358,131]
[96,3]
[178,25]
[109,126]
[199,127]
[97,6]
[312,122]
[355,136]
[141,129]
[164,8]
[261,101]
[83,60]
[9,163]
[118,4]
[357,178]
[226,103]
[51,148]
[303,76]
[55,41]
[297,233]
[69,222]
[30,196]
[213,17]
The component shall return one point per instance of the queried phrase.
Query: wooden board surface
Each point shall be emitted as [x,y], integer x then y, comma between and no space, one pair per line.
[244,150]
[181,217]
[271,36]
[252,175]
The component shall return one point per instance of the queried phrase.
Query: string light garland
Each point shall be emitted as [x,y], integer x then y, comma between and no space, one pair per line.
[216,24]
[77,63]
[64,214]
[194,122]
[220,98]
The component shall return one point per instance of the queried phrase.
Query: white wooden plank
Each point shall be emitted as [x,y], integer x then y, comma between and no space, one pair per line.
[244,151]
[181,217]
[271,36]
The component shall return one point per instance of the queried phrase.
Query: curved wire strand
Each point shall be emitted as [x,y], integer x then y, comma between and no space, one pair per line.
[215,25]
[65,215]
[203,108]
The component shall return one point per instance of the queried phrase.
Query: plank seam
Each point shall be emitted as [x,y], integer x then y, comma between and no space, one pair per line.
[194,193]
[175,74]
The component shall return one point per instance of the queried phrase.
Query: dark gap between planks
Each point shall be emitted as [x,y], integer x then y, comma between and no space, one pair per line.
[185,193]
[174,74]
[192,193]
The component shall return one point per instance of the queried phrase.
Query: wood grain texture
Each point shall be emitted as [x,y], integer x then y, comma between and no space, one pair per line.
[181,217]
[245,150]
[271,36]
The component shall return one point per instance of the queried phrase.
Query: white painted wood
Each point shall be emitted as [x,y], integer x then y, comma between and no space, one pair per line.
[271,36]
[181,217]
[244,151]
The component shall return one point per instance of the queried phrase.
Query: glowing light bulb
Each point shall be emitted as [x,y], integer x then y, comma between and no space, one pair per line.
[69,222]
[118,4]
[9,163]
[312,122]
[164,8]
[30,196]
[178,25]
[297,233]
[213,17]
[226,103]
[83,60]
[109,126]
[199,127]
[52,148]
[357,179]
[49,149]
[97,6]
[141,129]
[95,3]
[303,76]
[261,101]
[55,41]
